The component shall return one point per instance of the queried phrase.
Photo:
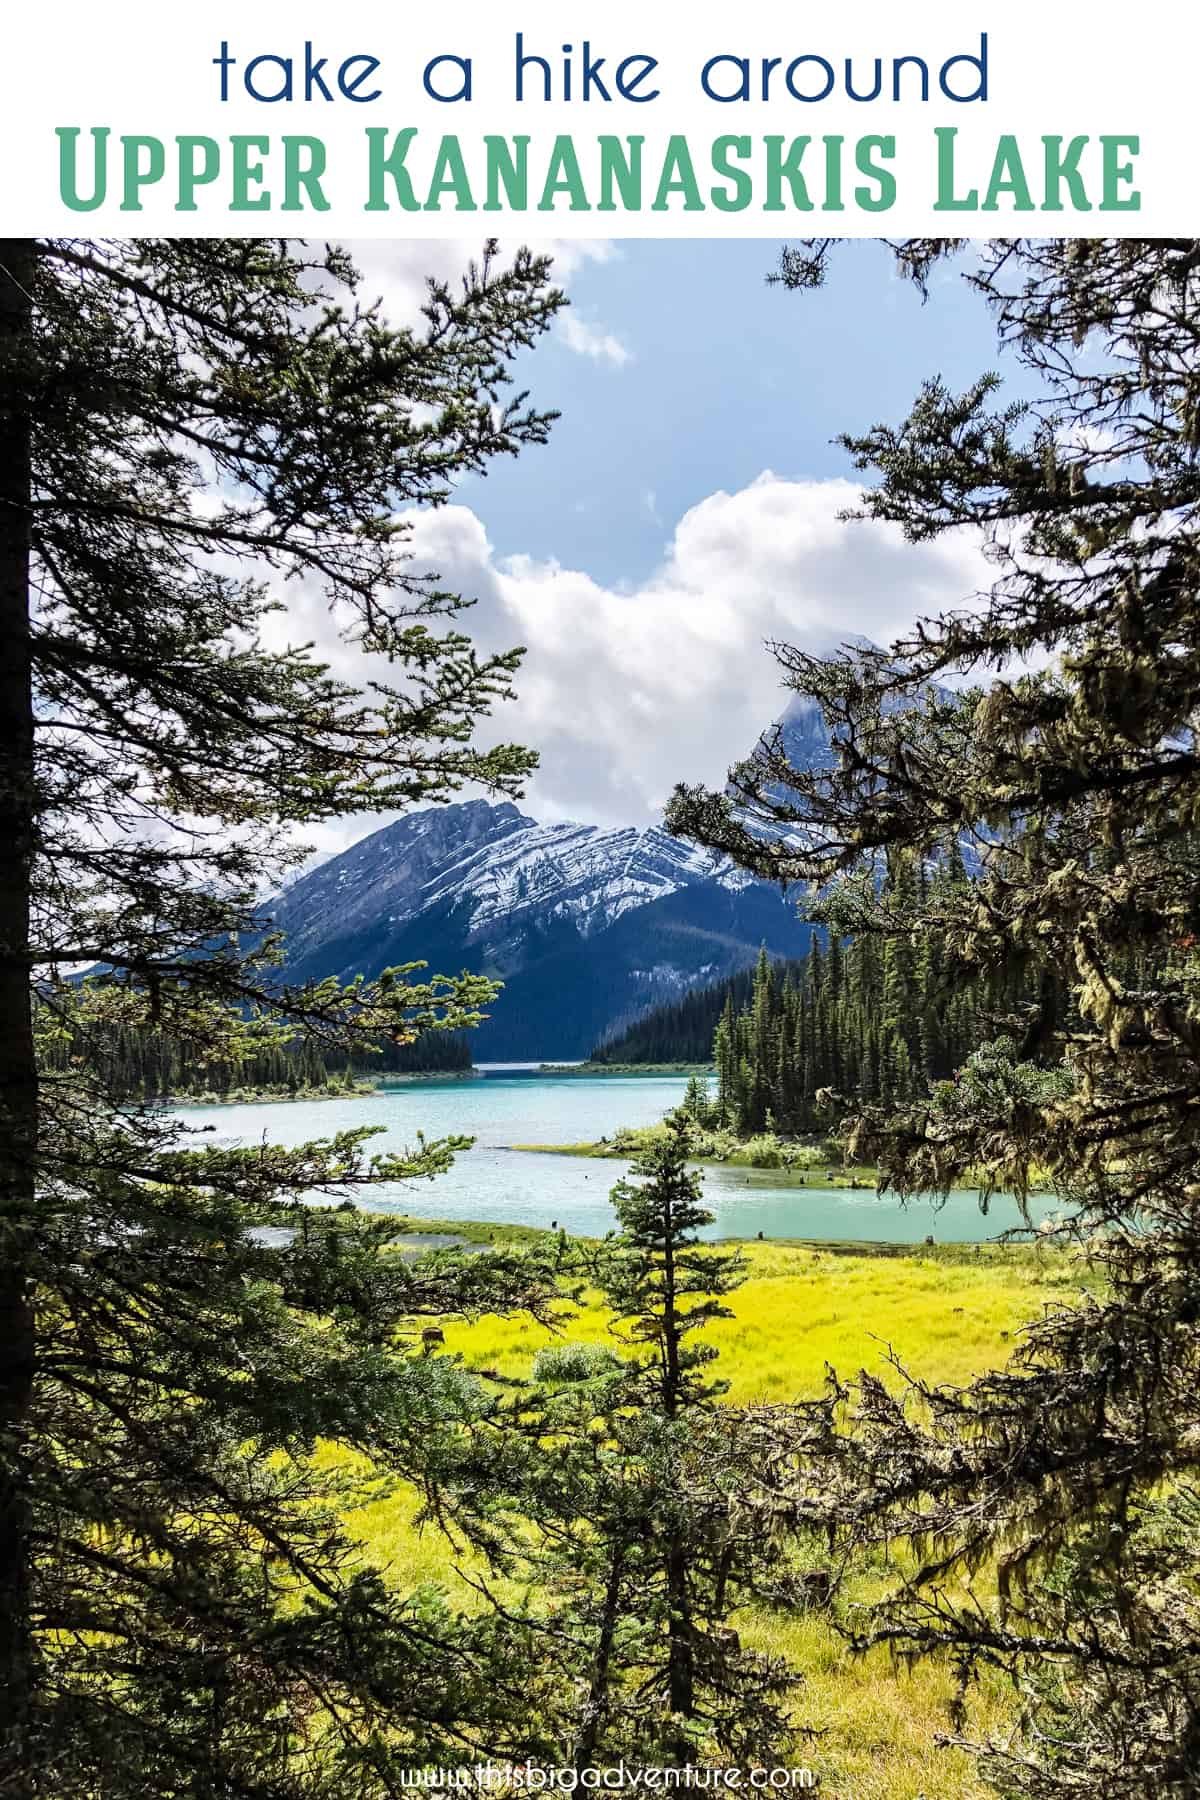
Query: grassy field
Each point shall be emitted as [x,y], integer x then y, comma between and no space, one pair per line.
[949,1312]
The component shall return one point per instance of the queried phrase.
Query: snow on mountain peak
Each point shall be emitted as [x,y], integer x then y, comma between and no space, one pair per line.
[591,874]
[491,863]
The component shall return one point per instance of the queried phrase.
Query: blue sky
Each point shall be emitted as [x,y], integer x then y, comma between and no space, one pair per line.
[690,506]
[725,377]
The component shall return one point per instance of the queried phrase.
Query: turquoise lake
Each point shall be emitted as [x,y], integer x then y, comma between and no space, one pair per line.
[491,1182]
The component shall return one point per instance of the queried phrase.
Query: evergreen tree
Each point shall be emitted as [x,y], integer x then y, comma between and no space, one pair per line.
[663,1288]
[697,1102]
[1072,1470]
[184,426]
[139,1062]
[617,1486]
[851,1022]
[842,1021]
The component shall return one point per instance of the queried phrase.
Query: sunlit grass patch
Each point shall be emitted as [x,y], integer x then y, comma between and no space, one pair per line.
[801,1308]
[949,1313]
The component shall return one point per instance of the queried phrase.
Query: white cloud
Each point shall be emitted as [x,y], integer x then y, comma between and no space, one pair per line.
[396,269]
[625,692]
[592,340]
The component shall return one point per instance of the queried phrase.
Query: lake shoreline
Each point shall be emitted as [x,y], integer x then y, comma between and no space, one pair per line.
[367,1086]
[365,1089]
[590,1071]
[855,1179]
[491,1183]
[477,1232]
[858,1179]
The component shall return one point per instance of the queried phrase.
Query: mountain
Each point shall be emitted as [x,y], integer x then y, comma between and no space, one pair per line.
[587,926]
[805,735]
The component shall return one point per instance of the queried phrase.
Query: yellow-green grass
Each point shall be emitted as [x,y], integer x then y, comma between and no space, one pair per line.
[949,1312]
[802,1307]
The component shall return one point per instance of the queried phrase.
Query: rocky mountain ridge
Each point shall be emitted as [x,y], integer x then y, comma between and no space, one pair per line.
[587,925]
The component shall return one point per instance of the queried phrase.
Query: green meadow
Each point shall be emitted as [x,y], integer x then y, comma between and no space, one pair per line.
[949,1312]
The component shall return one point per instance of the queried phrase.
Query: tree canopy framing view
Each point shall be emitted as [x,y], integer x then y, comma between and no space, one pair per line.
[999,851]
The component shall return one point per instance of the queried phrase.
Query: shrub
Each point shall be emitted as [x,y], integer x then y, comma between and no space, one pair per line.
[575,1362]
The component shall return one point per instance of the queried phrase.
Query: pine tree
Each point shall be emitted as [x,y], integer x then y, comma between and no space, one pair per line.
[853,1021]
[615,1487]
[184,426]
[1078,783]
[725,1057]
[697,1102]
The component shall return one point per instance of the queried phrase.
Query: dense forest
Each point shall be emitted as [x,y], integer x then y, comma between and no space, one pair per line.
[682,1030]
[871,1017]
[139,1063]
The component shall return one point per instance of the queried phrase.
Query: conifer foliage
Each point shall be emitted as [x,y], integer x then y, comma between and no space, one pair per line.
[870,1017]
[185,427]
[1072,1471]
[681,1030]
[137,1062]
[879,1018]
[616,1485]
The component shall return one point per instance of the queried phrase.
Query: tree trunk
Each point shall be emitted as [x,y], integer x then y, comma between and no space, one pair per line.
[18,1071]
[597,1700]
[680,1670]
[671,1383]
